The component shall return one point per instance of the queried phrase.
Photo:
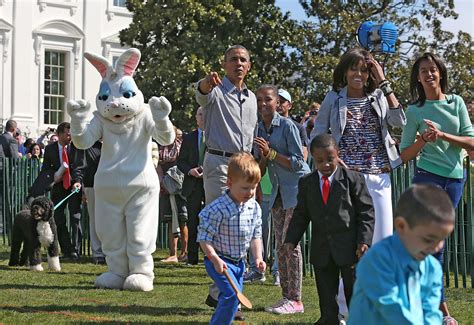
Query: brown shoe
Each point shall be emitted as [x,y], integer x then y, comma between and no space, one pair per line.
[239,316]
[183,258]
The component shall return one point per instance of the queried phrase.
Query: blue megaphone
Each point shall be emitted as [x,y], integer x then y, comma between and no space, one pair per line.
[377,38]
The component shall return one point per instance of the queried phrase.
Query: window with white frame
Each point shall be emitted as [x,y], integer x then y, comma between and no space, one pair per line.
[114,60]
[120,3]
[54,87]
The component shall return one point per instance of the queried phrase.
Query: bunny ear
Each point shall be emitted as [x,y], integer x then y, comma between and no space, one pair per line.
[99,62]
[128,62]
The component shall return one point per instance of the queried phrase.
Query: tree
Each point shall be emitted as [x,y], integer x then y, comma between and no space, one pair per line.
[182,40]
[333,24]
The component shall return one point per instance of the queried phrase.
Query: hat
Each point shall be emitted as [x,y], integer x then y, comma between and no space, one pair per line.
[283,93]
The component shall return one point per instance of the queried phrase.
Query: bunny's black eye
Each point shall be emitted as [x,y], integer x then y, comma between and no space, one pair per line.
[128,94]
[104,91]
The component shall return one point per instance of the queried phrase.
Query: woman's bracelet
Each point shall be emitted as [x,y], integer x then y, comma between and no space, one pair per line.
[423,139]
[385,87]
[271,154]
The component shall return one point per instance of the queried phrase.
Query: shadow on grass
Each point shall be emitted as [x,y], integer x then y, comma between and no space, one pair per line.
[45,266]
[152,322]
[43,287]
[82,311]
[181,284]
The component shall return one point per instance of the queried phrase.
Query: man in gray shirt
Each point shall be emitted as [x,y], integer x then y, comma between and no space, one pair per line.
[230,117]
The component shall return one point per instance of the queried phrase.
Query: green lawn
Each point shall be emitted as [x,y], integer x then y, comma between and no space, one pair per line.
[69,297]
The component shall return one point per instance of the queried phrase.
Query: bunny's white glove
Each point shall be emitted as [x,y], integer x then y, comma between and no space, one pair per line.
[160,109]
[79,111]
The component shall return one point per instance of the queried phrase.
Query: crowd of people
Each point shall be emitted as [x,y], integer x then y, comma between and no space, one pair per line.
[247,163]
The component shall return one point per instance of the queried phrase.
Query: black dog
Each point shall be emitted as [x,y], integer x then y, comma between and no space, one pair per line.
[33,228]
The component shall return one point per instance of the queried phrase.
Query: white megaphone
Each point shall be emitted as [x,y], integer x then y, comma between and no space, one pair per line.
[58,175]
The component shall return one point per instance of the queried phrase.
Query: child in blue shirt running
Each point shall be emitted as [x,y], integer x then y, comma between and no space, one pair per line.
[398,281]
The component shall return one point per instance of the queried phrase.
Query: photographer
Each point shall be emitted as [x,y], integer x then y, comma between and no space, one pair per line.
[312,112]
[46,134]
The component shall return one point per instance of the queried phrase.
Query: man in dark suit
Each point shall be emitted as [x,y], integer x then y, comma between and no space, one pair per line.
[338,204]
[189,162]
[8,141]
[8,149]
[58,156]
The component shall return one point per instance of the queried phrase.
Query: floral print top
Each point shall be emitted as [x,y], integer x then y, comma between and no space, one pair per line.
[361,146]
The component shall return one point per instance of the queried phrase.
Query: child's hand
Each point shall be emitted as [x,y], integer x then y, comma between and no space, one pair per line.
[361,249]
[219,264]
[261,265]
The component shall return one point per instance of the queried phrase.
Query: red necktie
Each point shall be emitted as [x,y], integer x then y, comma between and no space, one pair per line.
[67,174]
[325,189]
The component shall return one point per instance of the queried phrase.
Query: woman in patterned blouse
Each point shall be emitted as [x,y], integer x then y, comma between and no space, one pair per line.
[358,112]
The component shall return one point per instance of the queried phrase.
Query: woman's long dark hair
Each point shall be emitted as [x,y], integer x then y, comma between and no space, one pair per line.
[30,150]
[417,92]
[347,61]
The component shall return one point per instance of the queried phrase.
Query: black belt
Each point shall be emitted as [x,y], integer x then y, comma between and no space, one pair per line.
[220,153]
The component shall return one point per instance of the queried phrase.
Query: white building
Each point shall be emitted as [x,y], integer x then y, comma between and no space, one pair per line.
[41,56]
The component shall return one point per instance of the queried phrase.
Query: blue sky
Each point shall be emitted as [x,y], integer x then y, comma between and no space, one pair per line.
[465,9]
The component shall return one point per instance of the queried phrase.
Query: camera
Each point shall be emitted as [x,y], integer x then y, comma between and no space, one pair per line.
[312,113]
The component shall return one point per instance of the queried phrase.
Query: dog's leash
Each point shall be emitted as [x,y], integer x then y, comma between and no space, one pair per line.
[76,190]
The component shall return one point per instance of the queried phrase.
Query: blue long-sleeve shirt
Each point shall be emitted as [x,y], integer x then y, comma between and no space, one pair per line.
[381,291]
[283,136]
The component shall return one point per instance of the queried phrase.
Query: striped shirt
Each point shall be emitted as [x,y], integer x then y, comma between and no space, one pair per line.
[230,226]
[361,146]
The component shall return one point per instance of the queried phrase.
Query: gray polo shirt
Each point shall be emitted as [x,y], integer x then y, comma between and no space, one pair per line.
[230,117]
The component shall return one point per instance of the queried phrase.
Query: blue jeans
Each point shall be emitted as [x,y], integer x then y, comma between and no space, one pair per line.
[452,186]
[227,302]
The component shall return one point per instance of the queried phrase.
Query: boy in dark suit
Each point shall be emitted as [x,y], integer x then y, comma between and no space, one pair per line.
[338,203]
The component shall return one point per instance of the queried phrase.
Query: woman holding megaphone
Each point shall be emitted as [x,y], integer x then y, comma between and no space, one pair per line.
[357,112]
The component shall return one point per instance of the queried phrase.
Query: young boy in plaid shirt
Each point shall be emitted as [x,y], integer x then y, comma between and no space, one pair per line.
[227,227]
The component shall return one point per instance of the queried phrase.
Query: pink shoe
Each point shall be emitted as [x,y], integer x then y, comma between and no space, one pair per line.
[279,303]
[448,320]
[289,307]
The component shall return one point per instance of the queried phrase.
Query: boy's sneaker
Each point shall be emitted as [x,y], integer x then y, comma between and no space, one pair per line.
[289,307]
[254,277]
[276,279]
[448,320]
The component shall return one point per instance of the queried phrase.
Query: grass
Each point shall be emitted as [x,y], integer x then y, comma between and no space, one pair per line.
[69,297]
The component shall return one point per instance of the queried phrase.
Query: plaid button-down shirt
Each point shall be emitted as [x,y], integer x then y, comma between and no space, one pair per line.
[230,226]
